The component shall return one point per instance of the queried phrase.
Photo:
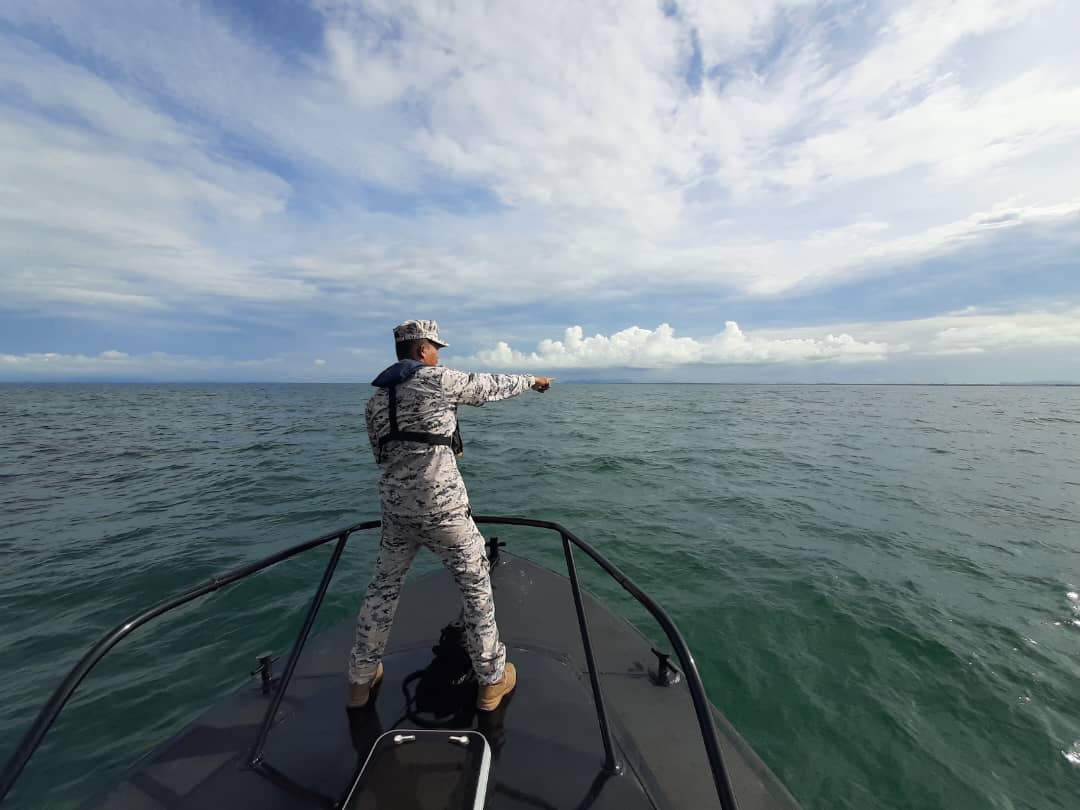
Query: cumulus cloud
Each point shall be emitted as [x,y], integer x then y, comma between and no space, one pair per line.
[968,331]
[660,348]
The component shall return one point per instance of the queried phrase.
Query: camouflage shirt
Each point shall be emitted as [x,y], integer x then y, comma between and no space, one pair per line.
[422,479]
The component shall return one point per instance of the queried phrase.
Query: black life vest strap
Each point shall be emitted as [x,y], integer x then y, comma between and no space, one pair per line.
[396,435]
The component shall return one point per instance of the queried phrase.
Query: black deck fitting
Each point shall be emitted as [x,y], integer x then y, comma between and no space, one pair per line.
[493,546]
[265,671]
[666,674]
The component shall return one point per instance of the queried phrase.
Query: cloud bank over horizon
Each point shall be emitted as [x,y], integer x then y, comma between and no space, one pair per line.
[969,334]
[659,348]
[228,183]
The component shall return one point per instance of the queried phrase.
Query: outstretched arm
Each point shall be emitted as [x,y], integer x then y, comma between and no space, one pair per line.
[477,388]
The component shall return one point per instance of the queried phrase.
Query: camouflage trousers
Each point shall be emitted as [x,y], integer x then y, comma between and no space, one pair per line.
[456,541]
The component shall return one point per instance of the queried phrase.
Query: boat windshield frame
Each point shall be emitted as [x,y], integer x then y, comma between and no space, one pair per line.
[45,719]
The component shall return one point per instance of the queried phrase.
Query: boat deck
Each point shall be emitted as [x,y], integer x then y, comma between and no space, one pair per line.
[546,746]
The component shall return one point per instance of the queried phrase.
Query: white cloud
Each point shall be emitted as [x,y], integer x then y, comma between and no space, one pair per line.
[864,249]
[319,362]
[970,331]
[954,132]
[211,76]
[113,363]
[616,169]
[727,28]
[659,348]
[1000,333]
[552,107]
[915,40]
[603,120]
[121,215]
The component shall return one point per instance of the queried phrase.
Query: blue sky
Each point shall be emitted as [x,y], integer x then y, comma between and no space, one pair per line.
[769,190]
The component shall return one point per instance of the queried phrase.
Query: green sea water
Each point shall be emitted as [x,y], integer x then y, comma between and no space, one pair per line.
[880,583]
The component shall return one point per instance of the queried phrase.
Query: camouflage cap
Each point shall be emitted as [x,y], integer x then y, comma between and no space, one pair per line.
[418,330]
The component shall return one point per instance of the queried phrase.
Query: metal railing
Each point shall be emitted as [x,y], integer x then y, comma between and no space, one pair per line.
[63,693]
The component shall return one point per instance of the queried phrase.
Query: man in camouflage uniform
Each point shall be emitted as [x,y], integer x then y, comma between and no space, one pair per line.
[424,502]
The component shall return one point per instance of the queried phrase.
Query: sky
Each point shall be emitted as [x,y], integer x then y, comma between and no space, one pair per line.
[714,191]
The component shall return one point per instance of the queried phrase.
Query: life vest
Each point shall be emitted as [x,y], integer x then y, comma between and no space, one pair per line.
[453,441]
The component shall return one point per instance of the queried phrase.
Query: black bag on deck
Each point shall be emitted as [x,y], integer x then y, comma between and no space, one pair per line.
[448,686]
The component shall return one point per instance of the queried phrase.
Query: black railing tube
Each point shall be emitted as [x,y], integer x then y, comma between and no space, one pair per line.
[693,678]
[611,763]
[62,694]
[294,657]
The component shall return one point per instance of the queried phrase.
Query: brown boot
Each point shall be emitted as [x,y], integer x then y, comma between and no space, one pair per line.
[489,697]
[360,693]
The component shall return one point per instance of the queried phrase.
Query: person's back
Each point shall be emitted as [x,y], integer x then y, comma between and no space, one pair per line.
[412,426]
[417,478]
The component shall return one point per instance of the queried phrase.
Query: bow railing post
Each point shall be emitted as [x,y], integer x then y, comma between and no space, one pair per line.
[255,757]
[611,761]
